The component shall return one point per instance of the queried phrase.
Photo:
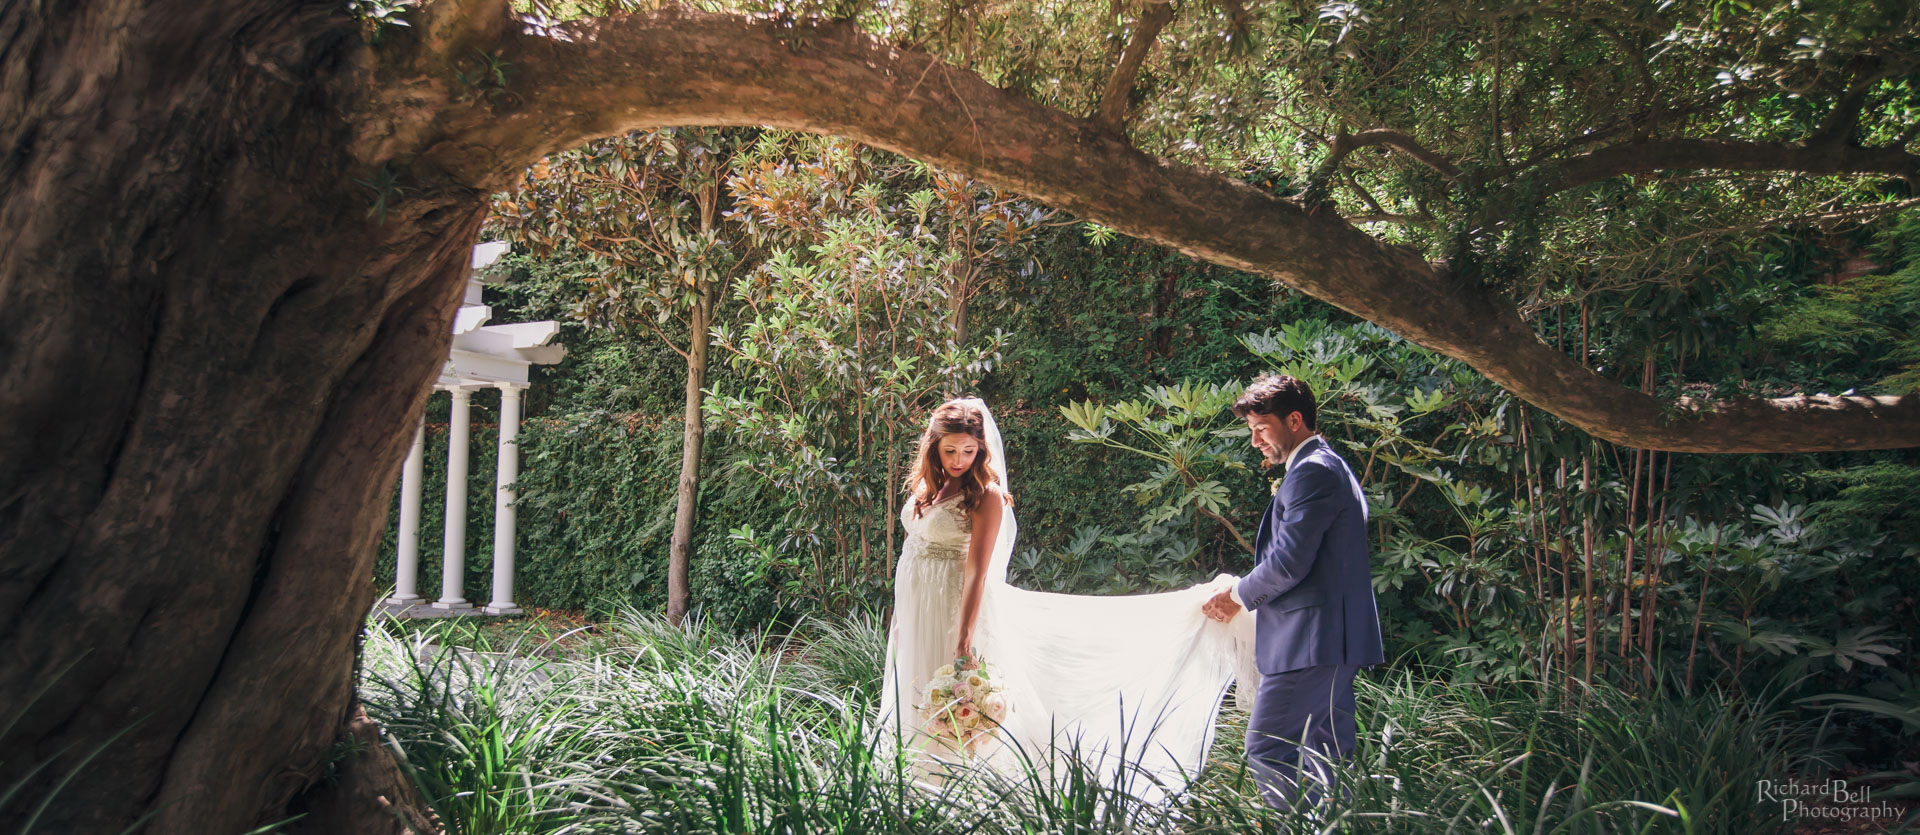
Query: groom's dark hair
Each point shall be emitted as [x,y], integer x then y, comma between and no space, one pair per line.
[1278,395]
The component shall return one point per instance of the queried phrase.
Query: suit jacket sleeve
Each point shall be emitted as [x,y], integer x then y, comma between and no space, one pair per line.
[1313,499]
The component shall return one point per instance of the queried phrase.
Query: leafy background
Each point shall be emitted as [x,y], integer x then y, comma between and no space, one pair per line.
[1768,571]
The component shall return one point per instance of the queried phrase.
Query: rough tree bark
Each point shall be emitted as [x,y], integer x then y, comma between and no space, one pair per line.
[236,239]
[212,353]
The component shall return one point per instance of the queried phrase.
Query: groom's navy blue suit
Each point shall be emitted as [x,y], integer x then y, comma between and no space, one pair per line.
[1316,622]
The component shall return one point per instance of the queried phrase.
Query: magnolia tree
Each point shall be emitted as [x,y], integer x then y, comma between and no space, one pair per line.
[644,211]
[850,331]
[238,232]
[867,262]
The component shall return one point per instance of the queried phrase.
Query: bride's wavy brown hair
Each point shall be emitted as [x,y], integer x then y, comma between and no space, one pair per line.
[926,480]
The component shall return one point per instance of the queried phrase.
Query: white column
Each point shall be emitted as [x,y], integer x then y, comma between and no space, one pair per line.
[504,514]
[453,563]
[406,581]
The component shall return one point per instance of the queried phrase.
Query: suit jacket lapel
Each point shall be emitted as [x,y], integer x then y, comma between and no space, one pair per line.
[1277,509]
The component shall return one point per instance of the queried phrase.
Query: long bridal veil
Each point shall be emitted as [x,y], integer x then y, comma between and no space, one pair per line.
[1130,686]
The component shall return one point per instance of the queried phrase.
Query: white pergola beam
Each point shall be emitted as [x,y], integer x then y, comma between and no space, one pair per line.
[526,334]
[473,314]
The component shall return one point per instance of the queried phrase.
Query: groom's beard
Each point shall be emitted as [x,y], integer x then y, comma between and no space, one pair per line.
[1278,457]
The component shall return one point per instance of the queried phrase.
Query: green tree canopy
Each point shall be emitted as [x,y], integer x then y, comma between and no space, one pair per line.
[1448,171]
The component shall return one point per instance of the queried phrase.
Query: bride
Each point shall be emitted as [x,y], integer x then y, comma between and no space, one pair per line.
[1128,685]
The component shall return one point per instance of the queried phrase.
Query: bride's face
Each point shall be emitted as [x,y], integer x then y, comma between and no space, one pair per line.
[957,452]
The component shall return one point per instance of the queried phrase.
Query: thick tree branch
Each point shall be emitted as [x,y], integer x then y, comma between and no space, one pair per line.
[449,27]
[681,69]
[1384,217]
[1115,99]
[1406,145]
[1837,130]
[1825,157]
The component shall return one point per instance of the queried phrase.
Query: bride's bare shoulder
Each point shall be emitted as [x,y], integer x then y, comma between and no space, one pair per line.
[998,496]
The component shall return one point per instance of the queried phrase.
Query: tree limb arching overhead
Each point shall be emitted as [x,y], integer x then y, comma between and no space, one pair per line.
[1115,101]
[679,68]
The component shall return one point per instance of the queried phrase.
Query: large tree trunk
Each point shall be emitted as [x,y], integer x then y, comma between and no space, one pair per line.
[365,794]
[213,355]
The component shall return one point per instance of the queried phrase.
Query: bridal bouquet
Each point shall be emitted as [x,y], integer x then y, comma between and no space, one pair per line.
[964,705]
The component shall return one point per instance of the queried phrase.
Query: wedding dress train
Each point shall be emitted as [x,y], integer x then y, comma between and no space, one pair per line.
[1130,686]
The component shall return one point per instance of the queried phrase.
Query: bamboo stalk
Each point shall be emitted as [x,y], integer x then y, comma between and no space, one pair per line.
[1566,567]
[1586,520]
[1536,519]
[1566,583]
[1626,566]
[1533,505]
[1640,458]
[1649,610]
[1649,607]
[1586,564]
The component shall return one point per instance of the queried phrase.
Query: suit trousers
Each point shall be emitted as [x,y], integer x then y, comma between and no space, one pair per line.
[1302,720]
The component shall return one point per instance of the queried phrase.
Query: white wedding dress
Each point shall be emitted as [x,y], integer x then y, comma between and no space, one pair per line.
[1129,685]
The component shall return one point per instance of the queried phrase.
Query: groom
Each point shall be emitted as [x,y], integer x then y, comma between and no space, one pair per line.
[1317,623]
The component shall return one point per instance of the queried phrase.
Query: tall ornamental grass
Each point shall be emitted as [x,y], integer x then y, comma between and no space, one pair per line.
[646,727]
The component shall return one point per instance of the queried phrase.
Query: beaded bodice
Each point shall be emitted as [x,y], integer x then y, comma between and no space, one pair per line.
[939,533]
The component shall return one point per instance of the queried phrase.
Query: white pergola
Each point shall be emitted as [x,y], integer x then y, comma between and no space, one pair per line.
[483,356]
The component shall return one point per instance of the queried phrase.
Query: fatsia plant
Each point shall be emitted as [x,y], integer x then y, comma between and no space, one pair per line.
[1367,384]
[1181,429]
[1778,554]
[1128,561]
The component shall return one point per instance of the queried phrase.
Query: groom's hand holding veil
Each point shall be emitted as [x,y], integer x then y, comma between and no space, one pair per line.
[1221,606]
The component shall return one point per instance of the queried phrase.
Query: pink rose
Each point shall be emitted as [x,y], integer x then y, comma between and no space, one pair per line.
[995,707]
